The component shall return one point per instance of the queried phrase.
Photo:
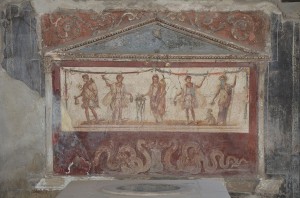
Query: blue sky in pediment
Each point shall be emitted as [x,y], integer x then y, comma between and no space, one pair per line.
[153,39]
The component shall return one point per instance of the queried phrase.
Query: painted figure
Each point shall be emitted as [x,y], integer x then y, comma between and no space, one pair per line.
[117,98]
[89,96]
[210,119]
[188,98]
[157,93]
[225,95]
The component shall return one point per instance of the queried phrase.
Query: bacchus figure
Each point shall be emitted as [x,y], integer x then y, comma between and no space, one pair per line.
[157,95]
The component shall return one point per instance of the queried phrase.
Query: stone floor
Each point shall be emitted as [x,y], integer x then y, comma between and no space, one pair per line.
[28,194]
[237,189]
[53,194]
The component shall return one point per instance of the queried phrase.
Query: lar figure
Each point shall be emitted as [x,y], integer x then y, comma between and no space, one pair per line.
[188,98]
[89,96]
[224,92]
[116,98]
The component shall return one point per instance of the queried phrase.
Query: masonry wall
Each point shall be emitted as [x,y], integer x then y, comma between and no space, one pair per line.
[282,105]
[22,107]
[22,101]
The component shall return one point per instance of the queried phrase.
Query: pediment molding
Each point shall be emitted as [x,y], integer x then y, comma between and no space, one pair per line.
[71,51]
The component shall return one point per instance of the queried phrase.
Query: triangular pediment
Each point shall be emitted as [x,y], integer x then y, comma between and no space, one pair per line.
[156,39]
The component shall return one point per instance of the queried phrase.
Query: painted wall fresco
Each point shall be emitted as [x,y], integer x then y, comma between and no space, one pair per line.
[246,28]
[126,154]
[121,108]
[206,99]
[153,136]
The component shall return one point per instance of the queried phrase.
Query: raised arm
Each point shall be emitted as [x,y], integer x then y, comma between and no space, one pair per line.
[198,86]
[106,81]
[234,82]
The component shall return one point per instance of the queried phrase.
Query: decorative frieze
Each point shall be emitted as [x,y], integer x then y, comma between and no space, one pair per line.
[245,28]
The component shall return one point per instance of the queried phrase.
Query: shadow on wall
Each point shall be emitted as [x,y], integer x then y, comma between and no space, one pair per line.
[21,54]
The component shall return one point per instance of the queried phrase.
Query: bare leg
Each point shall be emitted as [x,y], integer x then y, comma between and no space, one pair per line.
[187,115]
[94,113]
[193,114]
[161,118]
[120,114]
[114,114]
[86,110]
[117,114]
[156,117]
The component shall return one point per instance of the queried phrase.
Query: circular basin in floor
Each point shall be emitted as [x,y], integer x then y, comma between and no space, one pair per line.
[144,189]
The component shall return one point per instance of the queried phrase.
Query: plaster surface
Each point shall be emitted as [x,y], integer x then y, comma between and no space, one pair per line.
[44,6]
[22,146]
